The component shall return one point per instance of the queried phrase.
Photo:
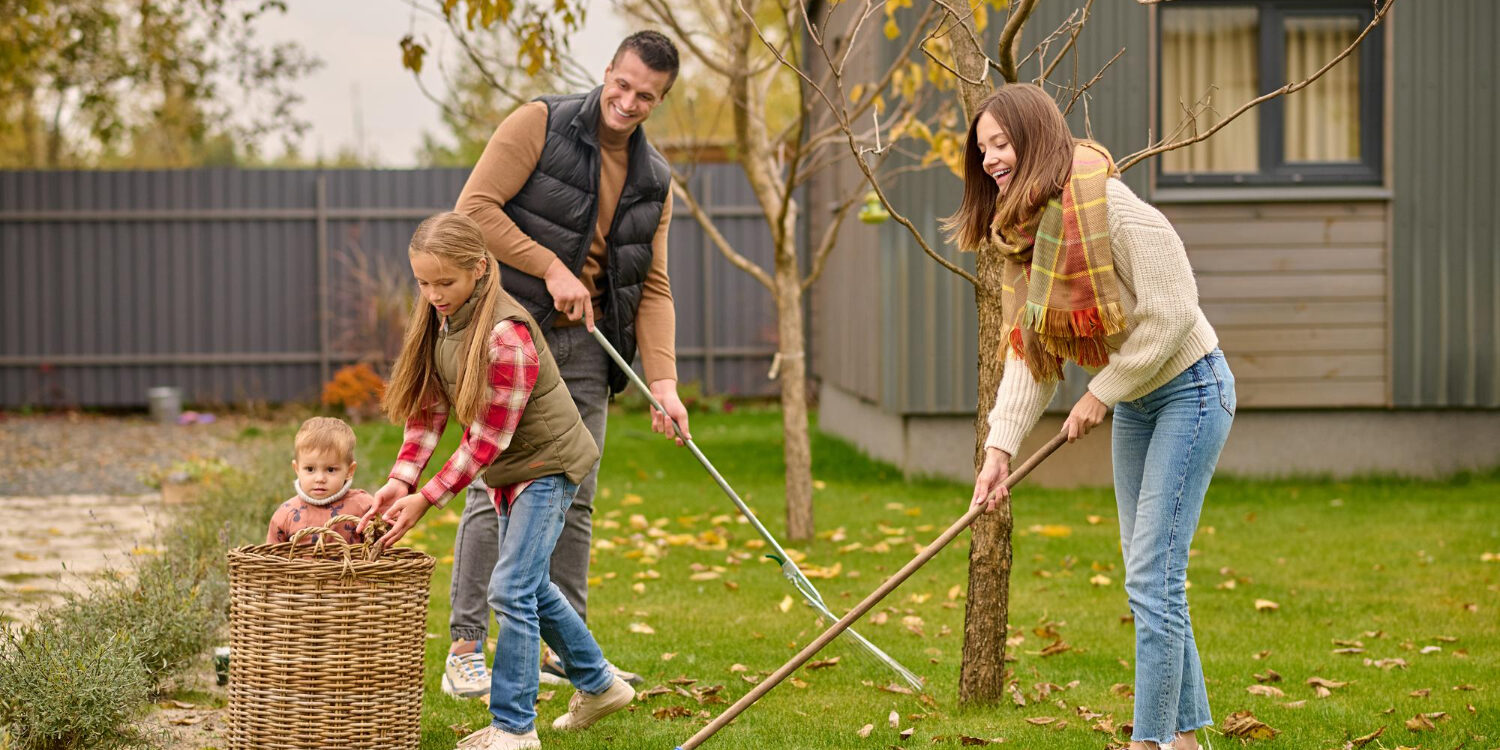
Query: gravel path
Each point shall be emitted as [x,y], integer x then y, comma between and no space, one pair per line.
[73,491]
[67,454]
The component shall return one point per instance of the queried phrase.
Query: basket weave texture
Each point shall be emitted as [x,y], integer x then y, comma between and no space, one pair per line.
[327,644]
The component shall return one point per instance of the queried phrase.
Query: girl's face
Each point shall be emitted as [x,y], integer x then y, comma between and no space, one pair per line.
[997,154]
[445,286]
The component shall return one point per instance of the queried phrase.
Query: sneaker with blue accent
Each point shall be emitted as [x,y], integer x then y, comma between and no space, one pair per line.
[466,675]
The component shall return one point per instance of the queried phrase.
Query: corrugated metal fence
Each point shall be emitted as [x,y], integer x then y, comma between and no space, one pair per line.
[239,285]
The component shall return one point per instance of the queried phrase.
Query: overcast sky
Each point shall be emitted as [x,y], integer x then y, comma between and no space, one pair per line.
[362,86]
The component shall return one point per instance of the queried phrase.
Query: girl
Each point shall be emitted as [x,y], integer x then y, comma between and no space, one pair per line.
[1095,275]
[472,350]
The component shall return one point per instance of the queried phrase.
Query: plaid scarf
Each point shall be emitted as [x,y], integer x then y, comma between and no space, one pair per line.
[1075,303]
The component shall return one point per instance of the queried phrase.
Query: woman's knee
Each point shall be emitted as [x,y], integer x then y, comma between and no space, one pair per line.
[508,601]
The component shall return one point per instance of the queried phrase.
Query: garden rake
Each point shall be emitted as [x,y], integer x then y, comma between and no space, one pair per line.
[865,606]
[788,567]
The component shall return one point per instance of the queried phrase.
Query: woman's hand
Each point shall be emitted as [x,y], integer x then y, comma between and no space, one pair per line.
[989,485]
[402,516]
[384,497]
[1087,414]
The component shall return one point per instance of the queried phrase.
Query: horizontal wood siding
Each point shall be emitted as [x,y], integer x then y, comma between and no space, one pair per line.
[1297,293]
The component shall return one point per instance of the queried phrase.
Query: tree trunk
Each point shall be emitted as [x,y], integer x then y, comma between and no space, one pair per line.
[797,448]
[982,676]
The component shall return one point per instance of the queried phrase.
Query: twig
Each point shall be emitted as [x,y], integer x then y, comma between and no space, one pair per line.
[1092,81]
[1013,25]
[1087,7]
[717,238]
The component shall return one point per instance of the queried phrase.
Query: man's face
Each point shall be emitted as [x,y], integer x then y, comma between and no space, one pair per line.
[631,91]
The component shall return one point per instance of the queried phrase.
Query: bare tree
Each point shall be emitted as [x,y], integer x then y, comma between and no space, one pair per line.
[951,34]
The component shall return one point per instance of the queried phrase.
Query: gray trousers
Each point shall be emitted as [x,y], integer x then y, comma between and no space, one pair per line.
[584,368]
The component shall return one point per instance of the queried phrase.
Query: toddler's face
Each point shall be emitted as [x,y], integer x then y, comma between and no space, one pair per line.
[321,473]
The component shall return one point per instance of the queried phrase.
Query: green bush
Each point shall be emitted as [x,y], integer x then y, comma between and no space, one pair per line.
[64,688]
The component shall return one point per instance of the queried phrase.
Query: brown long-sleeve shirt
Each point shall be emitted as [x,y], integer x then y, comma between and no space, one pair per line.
[507,162]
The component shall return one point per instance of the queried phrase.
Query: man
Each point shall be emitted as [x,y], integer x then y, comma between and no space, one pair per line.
[575,204]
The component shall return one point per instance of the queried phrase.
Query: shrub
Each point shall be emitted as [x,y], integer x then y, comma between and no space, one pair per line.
[356,389]
[64,688]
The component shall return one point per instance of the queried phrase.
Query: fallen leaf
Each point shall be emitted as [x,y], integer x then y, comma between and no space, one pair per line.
[1056,647]
[666,713]
[1100,580]
[1348,651]
[1041,721]
[1244,725]
[187,721]
[668,656]
[1015,695]
[1367,739]
[1261,655]
[954,592]
[546,695]
[1266,605]
[1355,644]
[1294,704]
[898,689]
[1390,663]
[1269,691]
[707,575]
[821,663]
[642,628]
[906,733]
[1122,690]
[786,603]
[1431,649]
[894,719]
[865,730]
[1423,693]
[1094,520]
[651,693]
[1271,675]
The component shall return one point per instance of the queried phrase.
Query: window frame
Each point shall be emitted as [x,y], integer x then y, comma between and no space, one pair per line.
[1273,168]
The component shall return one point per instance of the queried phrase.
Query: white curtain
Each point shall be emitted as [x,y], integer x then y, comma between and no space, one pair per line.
[1209,55]
[1322,120]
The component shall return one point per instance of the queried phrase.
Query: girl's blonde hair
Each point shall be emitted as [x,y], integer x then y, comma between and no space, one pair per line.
[1044,160]
[455,240]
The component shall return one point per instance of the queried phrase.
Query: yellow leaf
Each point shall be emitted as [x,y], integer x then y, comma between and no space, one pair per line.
[670,655]
[1053,530]
[1100,580]
[631,499]
[755,543]
[642,628]
[955,592]
[892,30]
[856,92]
[786,603]
[1266,605]
[819,484]
[638,587]
[707,575]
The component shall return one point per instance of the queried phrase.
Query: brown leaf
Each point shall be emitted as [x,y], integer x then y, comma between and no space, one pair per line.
[1295,704]
[898,689]
[546,695]
[799,684]
[1423,693]
[906,733]
[894,719]
[1348,650]
[1122,690]
[187,721]
[1353,644]
[1056,647]
[1322,692]
[1261,654]
[645,695]
[666,713]
[967,741]
[1367,739]
[1015,695]
[1419,723]
[1271,675]
[683,680]
[1041,721]
[1464,687]
[1244,725]
[865,730]
[1390,663]
[821,663]
[1320,682]
[1266,605]
[1268,691]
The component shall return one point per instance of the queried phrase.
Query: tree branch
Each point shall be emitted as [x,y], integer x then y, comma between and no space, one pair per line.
[1013,25]
[1087,7]
[1085,87]
[716,237]
[1161,148]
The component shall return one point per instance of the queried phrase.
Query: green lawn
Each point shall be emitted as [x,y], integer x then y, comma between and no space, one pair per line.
[1398,567]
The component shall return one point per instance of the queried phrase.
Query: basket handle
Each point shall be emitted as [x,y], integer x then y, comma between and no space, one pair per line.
[371,551]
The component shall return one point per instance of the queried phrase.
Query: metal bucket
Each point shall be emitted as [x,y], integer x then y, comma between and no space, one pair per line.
[165,404]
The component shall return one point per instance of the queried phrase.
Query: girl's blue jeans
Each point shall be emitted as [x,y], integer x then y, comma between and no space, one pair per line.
[529,606]
[1166,445]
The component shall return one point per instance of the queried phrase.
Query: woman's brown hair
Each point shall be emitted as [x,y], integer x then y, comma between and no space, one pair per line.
[415,385]
[1044,160]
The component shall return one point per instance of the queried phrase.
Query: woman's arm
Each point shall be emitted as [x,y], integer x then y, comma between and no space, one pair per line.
[1019,402]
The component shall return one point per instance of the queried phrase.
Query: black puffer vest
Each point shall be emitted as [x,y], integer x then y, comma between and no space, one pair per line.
[558,207]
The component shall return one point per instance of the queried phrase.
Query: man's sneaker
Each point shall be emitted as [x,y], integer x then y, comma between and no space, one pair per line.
[491,738]
[552,671]
[585,709]
[631,678]
[466,675]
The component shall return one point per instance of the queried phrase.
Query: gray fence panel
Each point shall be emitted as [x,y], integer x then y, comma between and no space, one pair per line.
[112,282]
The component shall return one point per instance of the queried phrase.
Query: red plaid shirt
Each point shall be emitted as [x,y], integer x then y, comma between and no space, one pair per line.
[513,373]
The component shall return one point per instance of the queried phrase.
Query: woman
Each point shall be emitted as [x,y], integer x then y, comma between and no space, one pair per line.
[1095,275]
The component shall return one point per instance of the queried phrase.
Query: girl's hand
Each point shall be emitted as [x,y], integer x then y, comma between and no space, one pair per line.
[402,516]
[989,485]
[1086,415]
[384,497]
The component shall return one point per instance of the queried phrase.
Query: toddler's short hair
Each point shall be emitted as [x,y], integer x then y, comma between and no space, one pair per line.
[325,434]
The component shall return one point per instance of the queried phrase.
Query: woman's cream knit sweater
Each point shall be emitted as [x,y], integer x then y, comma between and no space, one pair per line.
[1165,331]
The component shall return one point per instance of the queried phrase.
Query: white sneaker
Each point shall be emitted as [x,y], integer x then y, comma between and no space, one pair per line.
[585,709]
[491,738]
[466,675]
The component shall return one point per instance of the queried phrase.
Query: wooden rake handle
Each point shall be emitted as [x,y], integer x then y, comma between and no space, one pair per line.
[869,602]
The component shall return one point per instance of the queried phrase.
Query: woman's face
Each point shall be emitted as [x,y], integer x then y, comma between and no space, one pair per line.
[996,153]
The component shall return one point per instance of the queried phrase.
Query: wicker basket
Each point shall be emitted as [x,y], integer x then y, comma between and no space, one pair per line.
[327,643]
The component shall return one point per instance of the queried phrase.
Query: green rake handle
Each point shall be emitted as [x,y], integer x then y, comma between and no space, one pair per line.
[788,568]
[865,606]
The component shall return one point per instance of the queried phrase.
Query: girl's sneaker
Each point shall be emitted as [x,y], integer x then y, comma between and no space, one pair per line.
[491,738]
[466,675]
[585,709]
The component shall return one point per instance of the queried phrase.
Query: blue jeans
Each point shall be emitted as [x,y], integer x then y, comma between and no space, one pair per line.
[1166,445]
[528,606]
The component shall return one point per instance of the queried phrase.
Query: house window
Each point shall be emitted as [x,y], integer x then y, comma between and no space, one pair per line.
[1218,54]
